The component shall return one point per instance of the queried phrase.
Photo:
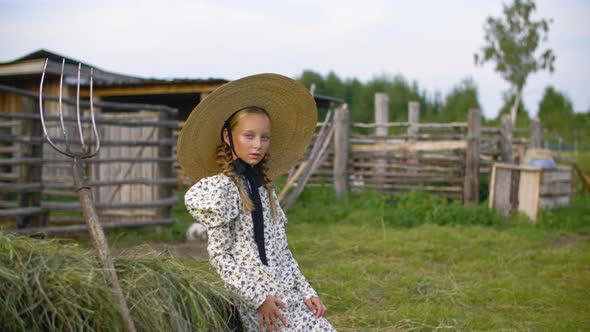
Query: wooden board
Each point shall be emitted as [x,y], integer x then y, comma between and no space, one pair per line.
[554,202]
[500,190]
[556,189]
[557,175]
[528,193]
[415,146]
[129,170]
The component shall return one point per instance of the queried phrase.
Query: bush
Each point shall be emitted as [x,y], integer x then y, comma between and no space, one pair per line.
[575,217]
[319,205]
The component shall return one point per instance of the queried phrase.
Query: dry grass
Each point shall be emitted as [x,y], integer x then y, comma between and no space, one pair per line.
[47,285]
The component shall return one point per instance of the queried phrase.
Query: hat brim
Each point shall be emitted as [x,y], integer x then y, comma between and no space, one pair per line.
[290,106]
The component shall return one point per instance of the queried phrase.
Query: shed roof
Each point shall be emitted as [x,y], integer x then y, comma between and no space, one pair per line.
[31,65]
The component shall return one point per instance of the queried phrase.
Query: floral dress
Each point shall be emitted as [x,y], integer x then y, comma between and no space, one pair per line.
[215,202]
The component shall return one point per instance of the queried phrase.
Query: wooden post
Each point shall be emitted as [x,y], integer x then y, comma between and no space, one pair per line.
[381,113]
[471,182]
[341,146]
[381,117]
[536,134]
[165,169]
[31,173]
[506,139]
[413,120]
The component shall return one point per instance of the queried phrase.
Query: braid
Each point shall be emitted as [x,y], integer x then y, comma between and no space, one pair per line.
[263,170]
[224,160]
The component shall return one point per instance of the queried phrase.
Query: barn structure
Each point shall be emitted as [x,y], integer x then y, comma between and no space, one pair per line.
[134,174]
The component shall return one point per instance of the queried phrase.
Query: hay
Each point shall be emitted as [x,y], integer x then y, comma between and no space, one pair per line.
[46,285]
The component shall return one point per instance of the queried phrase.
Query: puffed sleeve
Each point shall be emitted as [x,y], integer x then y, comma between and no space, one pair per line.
[301,284]
[215,202]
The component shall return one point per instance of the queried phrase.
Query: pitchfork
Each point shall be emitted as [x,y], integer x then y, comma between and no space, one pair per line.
[83,188]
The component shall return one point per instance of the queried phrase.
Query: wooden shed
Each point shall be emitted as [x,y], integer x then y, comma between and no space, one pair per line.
[132,177]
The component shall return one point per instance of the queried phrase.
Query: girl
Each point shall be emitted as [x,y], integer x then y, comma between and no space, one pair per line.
[226,146]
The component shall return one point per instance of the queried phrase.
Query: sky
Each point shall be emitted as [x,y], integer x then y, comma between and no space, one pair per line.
[428,41]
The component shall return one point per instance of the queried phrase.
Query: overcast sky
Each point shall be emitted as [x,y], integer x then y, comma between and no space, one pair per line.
[429,41]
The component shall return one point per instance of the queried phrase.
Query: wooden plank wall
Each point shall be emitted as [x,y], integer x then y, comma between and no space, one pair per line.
[131,177]
[127,170]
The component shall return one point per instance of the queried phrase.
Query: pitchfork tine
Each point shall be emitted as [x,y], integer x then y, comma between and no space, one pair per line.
[78,109]
[61,113]
[86,151]
[92,117]
[43,117]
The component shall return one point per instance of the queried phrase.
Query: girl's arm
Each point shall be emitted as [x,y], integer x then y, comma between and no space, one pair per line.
[301,283]
[252,284]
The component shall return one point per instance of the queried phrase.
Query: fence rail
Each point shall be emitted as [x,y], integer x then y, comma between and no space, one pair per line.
[132,177]
[447,159]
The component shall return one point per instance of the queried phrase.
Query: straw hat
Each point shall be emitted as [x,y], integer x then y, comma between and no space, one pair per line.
[290,106]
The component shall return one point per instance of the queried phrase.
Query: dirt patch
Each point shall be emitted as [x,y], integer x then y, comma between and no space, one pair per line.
[563,240]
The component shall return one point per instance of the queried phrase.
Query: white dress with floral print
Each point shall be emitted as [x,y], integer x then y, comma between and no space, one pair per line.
[215,202]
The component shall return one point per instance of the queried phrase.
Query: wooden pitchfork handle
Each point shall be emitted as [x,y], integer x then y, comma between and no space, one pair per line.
[83,189]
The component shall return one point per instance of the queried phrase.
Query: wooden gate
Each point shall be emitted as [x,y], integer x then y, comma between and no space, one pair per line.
[126,181]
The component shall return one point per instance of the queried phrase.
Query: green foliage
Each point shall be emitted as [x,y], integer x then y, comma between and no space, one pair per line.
[462,97]
[47,285]
[370,207]
[523,119]
[581,123]
[575,217]
[361,96]
[560,123]
[414,208]
[512,42]
[556,113]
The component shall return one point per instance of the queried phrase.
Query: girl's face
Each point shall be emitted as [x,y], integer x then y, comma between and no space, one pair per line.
[251,137]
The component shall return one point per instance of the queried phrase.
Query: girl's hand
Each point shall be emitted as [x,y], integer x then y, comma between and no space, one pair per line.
[268,313]
[316,306]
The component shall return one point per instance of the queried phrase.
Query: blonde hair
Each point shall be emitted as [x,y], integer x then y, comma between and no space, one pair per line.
[225,162]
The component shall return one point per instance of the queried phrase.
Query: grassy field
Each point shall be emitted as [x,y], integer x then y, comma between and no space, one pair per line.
[421,263]
[446,277]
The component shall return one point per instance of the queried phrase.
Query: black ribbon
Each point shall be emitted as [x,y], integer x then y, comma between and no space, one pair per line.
[254,182]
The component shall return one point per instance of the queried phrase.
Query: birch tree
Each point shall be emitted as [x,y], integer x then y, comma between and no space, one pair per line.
[512,42]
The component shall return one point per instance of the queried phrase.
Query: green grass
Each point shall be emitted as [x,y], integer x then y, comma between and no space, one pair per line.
[422,263]
[446,277]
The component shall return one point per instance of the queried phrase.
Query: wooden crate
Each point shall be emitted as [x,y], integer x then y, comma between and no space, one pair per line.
[528,188]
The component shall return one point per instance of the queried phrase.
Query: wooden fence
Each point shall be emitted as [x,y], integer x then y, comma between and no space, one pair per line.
[447,159]
[132,176]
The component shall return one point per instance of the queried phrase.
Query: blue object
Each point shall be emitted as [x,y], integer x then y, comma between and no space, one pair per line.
[543,163]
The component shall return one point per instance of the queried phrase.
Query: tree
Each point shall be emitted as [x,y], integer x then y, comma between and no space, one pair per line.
[511,42]
[522,118]
[458,102]
[309,77]
[557,114]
